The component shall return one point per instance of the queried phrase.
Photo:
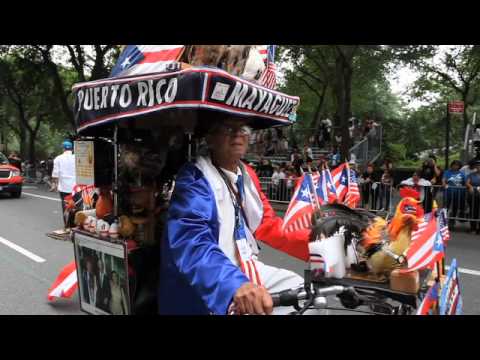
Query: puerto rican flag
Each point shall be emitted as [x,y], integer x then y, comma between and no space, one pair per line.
[144,59]
[340,181]
[326,191]
[430,299]
[299,213]
[65,284]
[426,247]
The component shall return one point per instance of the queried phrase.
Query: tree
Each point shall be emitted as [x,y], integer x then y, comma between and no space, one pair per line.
[88,62]
[29,93]
[454,72]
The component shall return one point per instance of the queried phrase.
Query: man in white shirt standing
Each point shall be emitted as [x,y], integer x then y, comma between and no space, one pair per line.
[63,173]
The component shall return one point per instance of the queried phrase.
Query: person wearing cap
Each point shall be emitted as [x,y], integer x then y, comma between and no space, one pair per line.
[217,213]
[63,174]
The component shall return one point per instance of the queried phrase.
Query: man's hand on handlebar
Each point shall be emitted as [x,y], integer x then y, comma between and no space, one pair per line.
[252,299]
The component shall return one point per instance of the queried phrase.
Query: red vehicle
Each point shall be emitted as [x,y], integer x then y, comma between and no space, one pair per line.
[10,179]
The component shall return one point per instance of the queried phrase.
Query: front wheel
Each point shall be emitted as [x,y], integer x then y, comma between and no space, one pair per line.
[16,194]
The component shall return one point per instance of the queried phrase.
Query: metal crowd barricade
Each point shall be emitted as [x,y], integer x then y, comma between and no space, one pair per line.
[279,192]
[461,204]
[376,196]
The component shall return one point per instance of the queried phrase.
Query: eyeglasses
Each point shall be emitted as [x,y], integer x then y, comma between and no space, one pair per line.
[234,130]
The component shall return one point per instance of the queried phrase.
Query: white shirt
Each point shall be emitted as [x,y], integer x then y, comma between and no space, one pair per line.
[64,170]
[225,210]
[277,176]
[421,182]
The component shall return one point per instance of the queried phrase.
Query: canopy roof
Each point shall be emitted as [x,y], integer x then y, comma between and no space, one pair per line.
[160,99]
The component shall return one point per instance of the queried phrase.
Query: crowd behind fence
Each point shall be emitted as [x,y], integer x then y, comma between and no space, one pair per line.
[462,204]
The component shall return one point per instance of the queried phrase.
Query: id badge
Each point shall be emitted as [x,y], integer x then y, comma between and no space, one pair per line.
[244,249]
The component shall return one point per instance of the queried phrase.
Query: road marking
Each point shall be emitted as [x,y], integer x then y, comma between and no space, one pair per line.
[42,197]
[466,271]
[29,187]
[22,251]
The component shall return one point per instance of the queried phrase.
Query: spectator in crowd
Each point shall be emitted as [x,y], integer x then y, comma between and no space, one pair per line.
[430,171]
[275,140]
[266,169]
[252,141]
[387,165]
[338,138]
[292,155]
[321,162]
[15,160]
[49,164]
[368,126]
[283,142]
[468,168]
[351,128]
[335,157]
[269,149]
[454,181]
[307,152]
[297,163]
[260,144]
[423,186]
[386,183]
[63,173]
[369,187]
[473,196]
[278,183]
[290,180]
[326,131]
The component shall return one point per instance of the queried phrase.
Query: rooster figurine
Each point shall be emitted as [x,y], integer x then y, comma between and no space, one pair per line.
[386,244]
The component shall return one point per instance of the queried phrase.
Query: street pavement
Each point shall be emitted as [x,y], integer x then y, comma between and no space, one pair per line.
[30,261]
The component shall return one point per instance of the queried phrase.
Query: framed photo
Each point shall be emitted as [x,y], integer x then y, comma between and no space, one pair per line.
[102,271]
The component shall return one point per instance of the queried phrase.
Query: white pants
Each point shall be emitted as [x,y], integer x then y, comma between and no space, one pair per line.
[276,280]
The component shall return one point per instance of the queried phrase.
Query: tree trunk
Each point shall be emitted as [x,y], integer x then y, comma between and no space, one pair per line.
[23,141]
[348,105]
[341,107]
[31,148]
[318,112]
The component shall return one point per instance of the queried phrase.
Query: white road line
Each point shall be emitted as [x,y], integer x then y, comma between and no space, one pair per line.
[29,187]
[41,197]
[22,251]
[466,271]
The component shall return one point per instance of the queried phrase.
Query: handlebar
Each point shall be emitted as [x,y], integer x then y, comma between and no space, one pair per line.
[350,297]
[291,297]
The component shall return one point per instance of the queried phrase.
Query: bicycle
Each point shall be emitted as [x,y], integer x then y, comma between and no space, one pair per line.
[352,294]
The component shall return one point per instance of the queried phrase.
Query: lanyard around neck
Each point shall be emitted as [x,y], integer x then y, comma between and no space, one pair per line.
[235,196]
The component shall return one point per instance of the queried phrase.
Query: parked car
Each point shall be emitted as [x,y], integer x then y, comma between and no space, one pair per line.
[10,179]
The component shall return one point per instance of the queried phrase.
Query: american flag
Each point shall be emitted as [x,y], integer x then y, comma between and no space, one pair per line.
[144,59]
[345,181]
[353,195]
[443,224]
[299,212]
[430,299]
[426,247]
[269,76]
[450,299]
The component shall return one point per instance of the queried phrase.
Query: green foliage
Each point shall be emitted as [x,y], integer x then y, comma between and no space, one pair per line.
[396,152]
